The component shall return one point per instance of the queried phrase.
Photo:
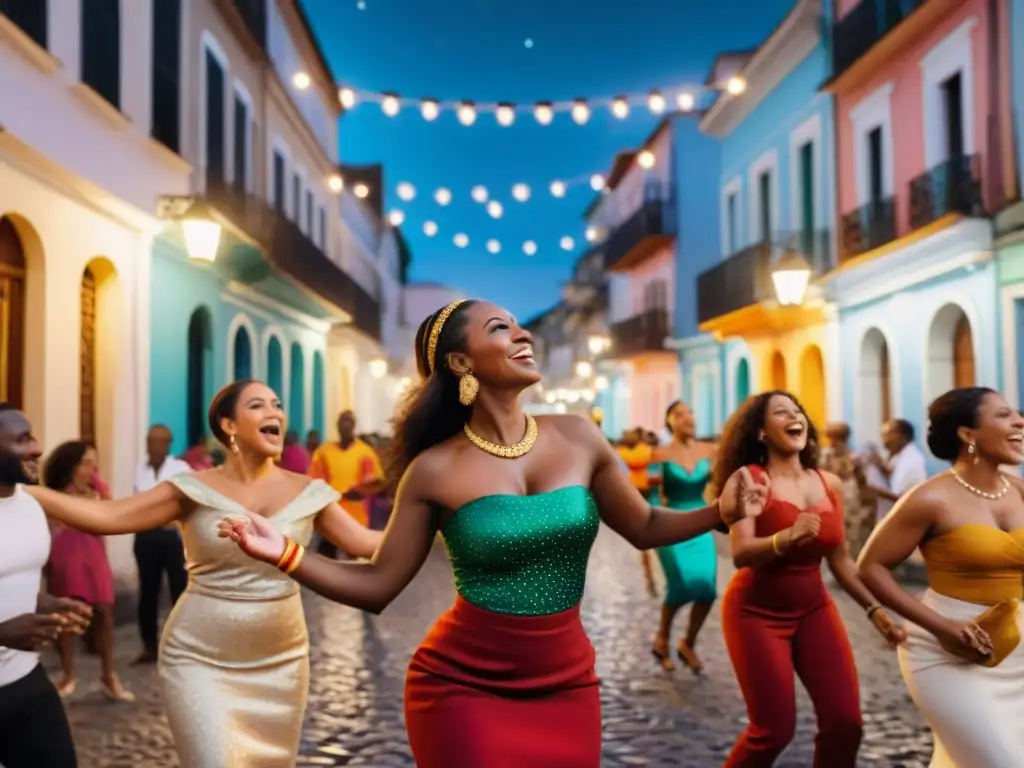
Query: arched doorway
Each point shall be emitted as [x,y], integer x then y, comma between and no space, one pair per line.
[812,384]
[778,370]
[874,392]
[742,380]
[243,354]
[275,366]
[950,352]
[99,352]
[318,392]
[200,372]
[12,314]
[297,390]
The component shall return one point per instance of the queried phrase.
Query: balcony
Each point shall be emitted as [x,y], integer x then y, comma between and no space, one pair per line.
[650,227]
[870,226]
[640,334]
[745,278]
[290,250]
[950,187]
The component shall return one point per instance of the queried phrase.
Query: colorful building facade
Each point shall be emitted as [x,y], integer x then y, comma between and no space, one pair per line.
[776,202]
[922,132]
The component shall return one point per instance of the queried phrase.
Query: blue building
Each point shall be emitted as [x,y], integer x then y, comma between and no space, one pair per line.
[775,202]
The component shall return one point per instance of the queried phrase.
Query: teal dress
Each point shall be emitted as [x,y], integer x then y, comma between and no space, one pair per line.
[691,567]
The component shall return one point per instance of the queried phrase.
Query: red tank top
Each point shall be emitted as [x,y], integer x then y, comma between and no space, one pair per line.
[790,584]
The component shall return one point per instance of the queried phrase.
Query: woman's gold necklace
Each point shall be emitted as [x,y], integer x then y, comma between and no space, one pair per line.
[984,494]
[506,451]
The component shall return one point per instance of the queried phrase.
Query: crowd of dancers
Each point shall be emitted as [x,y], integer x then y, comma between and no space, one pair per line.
[505,678]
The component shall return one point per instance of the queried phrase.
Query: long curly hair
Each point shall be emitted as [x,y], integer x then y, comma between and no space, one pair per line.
[740,445]
[431,412]
[59,467]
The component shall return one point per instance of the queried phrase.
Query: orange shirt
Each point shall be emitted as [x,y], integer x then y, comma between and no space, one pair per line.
[638,459]
[345,468]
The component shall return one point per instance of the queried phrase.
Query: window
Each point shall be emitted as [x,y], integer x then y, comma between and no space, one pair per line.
[29,16]
[242,148]
[655,295]
[101,48]
[731,222]
[279,177]
[764,196]
[215,154]
[875,165]
[323,229]
[166,127]
[806,160]
[309,212]
[254,14]
[953,113]
[297,199]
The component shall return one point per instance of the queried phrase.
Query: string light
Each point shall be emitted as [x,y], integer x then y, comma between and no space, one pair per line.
[493,246]
[580,112]
[301,80]
[656,102]
[646,159]
[506,115]
[396,218]
[335,183]
[466,113]
[544,113]
[390,105]
[495,209]
[479,194]
[529,248]
[461,240]
[521,192]
[429,228]
[620,107]
[347,97]
[591,234]
[685,101]
[443,196]
[567,243]
[406,191]
[557,189]
[597,182]
[361,191]
[430,109]
[736,85]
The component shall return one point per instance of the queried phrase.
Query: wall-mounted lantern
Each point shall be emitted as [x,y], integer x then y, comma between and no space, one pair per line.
[790,276]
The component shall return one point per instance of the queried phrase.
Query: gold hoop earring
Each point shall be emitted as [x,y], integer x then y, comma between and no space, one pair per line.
[233,444]
[469,386]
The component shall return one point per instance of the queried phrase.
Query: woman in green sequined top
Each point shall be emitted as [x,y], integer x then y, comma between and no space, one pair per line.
[505,678]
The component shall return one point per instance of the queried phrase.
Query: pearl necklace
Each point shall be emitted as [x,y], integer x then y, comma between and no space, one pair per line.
[984,494]
[506,451]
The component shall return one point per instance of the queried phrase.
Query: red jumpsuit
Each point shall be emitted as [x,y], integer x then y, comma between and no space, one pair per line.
[778,619]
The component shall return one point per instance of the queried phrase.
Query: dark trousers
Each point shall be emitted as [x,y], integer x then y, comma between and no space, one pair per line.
[156,553]
[34,730]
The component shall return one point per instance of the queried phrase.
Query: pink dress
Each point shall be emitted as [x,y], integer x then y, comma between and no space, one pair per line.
[79,567]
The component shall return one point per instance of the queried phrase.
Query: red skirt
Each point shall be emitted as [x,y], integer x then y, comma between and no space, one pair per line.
[79,568]
[501,691]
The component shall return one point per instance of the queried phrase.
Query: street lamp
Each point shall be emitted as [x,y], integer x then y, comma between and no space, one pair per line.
[584,369]
[790,277]
[378,368]
[200,225]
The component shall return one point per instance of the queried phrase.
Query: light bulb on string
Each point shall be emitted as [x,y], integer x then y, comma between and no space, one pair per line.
[646,159]
[442,196]
[580,111]
[361,191]
[461,240]
[429,228]
[543,112]
[591,234]
[396,218]
[347,97]
[495,209]
[567,243]
[736,85]
[529,248]
[506,115]
[466,113]
[493,246]
[390,105]
[597,182]
[521,192]
[430,109]
[301,80]
[620,107]
[558,189]
[406,191]
[335,183]
[656,102]
[685,101]
[479,194]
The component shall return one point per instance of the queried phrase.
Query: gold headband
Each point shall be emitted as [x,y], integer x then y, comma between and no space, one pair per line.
[435,332]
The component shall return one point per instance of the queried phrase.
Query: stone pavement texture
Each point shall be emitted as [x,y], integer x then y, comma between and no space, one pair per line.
[651,718]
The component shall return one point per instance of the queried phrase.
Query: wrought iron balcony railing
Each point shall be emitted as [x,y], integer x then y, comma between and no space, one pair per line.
[864,25]
[950,187]
[868,227]
[647,227]
[645,332]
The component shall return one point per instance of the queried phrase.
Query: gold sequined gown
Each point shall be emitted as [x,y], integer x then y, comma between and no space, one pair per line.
[234,656]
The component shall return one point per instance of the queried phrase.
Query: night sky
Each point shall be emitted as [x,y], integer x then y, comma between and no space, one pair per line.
[475,49]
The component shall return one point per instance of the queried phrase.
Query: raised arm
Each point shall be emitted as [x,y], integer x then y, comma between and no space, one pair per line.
[622,506]
[369,586]
[145,511]
[340,528]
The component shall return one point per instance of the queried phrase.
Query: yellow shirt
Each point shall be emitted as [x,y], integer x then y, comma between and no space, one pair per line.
[638,459]
[345,468]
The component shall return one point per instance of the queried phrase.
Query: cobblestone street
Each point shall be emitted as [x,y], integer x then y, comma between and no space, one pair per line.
[652,718]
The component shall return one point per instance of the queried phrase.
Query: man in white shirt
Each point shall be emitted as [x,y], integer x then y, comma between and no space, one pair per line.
[34,730]
[905,467]
[160,551]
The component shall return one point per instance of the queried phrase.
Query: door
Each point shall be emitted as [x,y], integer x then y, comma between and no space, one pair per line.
[12,314]
[87,361]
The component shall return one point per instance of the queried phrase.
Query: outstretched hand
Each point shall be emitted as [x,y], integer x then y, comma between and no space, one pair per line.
[751,498]
[255,535]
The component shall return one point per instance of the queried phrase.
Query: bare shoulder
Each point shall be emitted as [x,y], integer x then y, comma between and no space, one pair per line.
[572,427]
[832,480]
[294,480]
[424,471]
[708,448]
[1016,482]
[925,500]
